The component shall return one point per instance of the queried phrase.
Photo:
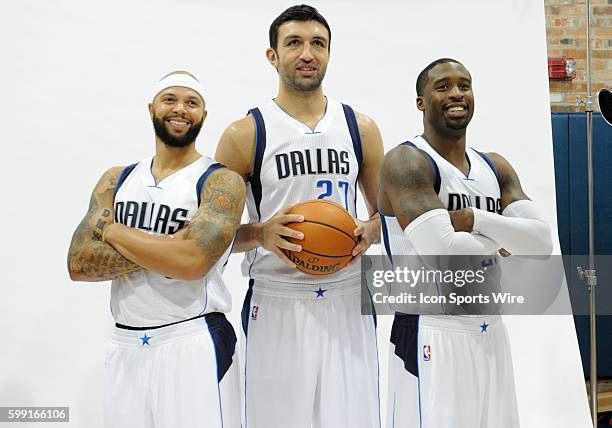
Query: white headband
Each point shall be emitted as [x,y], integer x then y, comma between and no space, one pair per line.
[178,79]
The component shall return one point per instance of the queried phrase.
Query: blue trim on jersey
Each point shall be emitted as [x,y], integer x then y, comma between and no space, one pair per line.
[467,176]
[246,306]
[489,161]
[353,126]
[217,369]
[123,175]
[438,181]
[204,177]
[420,413]
[405,337]
[231,249]
[260,148]
[224,340]
[377,361]
[393,414]
[385,232]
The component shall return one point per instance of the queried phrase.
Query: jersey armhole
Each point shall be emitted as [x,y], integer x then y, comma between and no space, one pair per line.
[202,180]
[123,175]
[489,162]
[353,126]
[437,181]
[260,148]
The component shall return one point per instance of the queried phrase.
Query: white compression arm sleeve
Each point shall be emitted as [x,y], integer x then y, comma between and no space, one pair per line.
[520,229]
[432,233]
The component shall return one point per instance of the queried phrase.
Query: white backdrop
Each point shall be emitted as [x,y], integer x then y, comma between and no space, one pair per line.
[79,74]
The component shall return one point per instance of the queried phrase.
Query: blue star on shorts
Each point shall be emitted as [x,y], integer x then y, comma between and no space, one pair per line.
[145,339]
[483,327]
[320,292]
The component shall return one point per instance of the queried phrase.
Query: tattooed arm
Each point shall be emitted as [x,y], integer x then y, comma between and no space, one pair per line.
[90,259]
[407,192]
[407,185]
[520,229]
[208,235]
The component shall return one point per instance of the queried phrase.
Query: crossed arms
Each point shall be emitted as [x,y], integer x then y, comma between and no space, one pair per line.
[101,249]
[407,189]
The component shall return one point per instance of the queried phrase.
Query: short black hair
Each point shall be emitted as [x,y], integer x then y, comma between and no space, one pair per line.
[301,12]
[423,75]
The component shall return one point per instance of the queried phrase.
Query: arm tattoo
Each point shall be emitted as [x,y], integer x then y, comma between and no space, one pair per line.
[218,217]
[88,256]
[509,183]
[408,180]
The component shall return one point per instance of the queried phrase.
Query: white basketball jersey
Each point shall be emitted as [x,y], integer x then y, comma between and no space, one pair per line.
[478,189]
[146,298]
[294,163]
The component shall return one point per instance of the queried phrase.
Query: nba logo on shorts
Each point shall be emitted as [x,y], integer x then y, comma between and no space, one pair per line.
[426,353]
[254,312]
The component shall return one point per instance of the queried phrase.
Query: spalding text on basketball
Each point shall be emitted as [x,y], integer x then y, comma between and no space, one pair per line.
[314,268]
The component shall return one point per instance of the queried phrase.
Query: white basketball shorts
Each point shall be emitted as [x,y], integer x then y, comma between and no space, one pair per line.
[450,371]
[177,376]
[309,358]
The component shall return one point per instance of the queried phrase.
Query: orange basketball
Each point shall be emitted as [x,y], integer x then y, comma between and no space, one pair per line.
[328,237]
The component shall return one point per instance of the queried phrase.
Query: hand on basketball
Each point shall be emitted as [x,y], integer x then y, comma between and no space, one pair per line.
[274,231]
[368,233]
[462,220]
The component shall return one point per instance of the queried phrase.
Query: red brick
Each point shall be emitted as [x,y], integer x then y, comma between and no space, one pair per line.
[602,10]
[598,64]
[572,10]
[602,32]
[562,22]
[603,53]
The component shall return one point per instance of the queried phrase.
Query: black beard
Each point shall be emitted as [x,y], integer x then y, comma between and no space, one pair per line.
[458,124]
[305,86]
[172,141]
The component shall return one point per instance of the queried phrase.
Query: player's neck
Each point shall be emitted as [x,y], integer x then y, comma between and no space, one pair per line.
[307,107]
[450,147]
[171,159]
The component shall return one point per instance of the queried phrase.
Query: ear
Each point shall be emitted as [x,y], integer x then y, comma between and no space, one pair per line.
[420,103]
[272,57]
[151,110]
[204,114]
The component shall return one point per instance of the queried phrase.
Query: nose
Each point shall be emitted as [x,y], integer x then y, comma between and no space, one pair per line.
[179,107]
[306,54]
[456,93]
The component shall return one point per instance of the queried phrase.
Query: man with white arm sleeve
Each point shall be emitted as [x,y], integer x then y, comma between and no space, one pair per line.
[440,197]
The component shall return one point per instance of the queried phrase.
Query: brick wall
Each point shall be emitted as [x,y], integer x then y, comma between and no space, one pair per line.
[566,36]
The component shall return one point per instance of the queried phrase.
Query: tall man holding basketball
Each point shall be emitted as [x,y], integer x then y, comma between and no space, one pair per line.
[452,370]
[161,230]
[310,357]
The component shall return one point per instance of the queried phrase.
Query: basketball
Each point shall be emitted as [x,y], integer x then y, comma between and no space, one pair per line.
[328,237]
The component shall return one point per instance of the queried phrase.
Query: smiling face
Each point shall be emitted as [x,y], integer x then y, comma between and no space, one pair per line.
[447,102]
[302,54]
[177,114]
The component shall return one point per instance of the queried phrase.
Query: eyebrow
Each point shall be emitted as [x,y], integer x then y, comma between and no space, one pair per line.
[297,36]
[443,79]
[172,94]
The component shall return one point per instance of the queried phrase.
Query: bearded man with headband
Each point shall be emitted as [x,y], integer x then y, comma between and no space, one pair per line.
[161,230]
